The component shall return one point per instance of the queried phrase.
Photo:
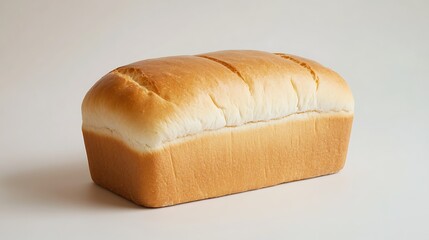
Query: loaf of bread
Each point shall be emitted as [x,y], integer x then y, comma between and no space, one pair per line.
[171,130]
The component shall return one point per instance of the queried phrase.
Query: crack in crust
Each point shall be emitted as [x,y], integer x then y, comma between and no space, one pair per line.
[230,67]
[218,107]
[302,64]
[137,76]
[296,92]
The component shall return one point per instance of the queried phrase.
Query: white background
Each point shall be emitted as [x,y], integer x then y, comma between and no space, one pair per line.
[52,52]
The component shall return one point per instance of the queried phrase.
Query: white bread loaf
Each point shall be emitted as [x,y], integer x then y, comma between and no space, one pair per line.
[177,129]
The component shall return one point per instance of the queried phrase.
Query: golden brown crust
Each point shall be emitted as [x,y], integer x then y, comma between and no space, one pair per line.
[171,130]
[154,101]
[221,162]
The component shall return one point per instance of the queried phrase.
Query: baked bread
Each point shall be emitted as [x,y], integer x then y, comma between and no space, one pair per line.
[171,130]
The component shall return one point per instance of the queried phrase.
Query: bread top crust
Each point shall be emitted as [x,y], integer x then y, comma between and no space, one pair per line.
[155,101]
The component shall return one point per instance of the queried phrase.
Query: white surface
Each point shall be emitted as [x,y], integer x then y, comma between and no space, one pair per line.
[51,52]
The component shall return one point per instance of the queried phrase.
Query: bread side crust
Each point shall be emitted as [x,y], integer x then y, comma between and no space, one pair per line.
[222,162]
